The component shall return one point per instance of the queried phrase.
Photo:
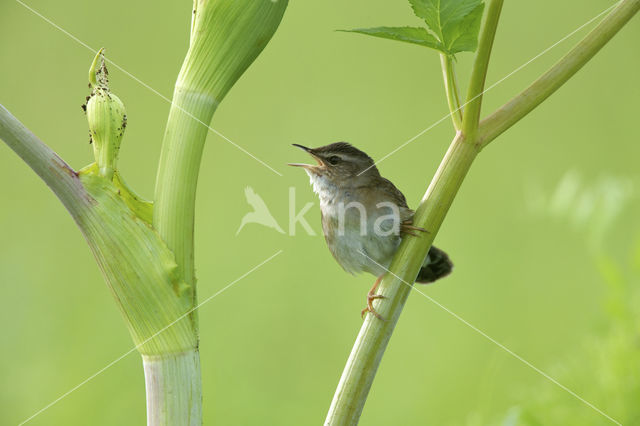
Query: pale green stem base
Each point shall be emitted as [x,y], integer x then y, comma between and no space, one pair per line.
[174,394]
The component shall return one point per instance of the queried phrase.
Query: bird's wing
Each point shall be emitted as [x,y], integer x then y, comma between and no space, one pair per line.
[393,193]
[396,196]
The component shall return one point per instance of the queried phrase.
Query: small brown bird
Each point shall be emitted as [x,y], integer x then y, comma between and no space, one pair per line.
[364,215]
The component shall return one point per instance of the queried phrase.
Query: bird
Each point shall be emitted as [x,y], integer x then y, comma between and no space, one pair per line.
[260,213]
[364,216]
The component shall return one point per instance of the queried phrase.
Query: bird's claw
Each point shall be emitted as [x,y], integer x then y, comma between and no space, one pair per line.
[407,228]
[369,308]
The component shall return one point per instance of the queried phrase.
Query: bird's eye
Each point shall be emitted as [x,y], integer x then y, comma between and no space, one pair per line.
[333,160]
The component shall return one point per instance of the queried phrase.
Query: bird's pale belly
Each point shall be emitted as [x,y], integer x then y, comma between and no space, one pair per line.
[357,246]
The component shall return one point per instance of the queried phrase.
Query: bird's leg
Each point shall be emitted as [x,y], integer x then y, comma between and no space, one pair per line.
[371,296]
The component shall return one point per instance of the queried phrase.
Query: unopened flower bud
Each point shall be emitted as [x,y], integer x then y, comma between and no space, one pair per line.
[107,118]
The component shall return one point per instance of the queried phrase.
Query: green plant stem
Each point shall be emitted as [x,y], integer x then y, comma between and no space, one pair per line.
[163,376]
[226,37]
[473,104]
[514,110]
[374,335]
[451,88]
[367,352]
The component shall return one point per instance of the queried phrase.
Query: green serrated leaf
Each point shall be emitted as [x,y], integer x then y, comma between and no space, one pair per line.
[465,36]
[455,23]
[413,35]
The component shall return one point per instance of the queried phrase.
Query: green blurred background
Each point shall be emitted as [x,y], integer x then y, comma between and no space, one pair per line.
[543,233]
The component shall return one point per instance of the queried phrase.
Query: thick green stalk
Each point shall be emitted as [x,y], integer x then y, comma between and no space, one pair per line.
[174,206]
[451,88]
[226,37]
[514,110]
[473,103]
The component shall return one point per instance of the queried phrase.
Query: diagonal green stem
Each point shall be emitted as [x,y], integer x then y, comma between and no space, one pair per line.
[52,169]
[514,110]
[374,335]
[367,352]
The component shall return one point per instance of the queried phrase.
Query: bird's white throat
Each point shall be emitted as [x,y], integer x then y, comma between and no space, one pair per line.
[322,186]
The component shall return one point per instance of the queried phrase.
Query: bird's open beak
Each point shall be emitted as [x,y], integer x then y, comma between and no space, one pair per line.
[310,151]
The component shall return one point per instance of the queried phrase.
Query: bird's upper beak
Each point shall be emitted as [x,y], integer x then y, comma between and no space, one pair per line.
[310,151]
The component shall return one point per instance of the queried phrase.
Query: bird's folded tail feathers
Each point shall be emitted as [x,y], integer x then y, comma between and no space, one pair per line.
[436,265]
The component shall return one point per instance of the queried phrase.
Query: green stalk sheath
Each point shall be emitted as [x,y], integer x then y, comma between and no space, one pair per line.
[374,335]
[521,105]
[451,88]
[473,103]
[163,375]
[136,264]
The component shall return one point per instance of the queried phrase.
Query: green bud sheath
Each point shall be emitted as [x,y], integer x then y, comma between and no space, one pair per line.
[107,119]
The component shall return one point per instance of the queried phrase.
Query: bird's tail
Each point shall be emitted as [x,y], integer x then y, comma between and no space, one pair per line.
[436,265]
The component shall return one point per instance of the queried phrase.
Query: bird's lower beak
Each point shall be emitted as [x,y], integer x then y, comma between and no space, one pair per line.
[310,151]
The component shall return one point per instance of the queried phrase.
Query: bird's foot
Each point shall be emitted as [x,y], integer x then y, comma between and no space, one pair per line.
[407,227]
[369,308]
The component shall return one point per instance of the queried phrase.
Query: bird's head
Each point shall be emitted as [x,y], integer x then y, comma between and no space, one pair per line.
[338,164]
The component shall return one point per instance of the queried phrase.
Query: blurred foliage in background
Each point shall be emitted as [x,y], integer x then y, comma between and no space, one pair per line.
[604,366]
[544,232]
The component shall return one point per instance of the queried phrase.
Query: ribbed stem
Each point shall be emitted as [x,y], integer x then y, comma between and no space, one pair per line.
[226,36]
[174,394]
[173,400]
